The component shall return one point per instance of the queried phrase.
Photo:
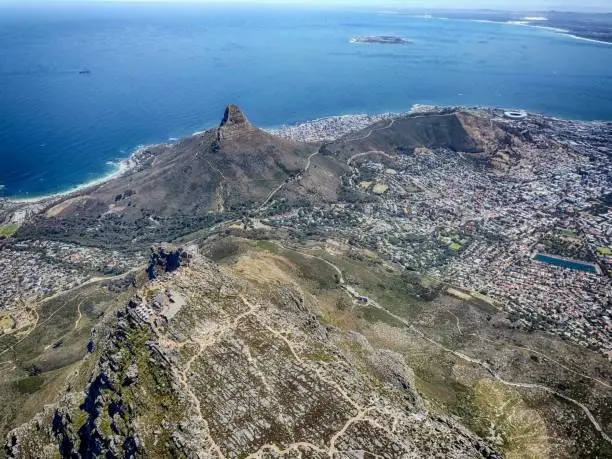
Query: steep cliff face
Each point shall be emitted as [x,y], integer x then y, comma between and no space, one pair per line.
[233,125]
[244,367]
[167,258]
[234,116]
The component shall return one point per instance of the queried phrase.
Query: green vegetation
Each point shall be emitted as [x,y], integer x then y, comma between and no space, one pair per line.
[372,314]
[30,384]
[505,420]
[113,232]
[105,425]
[267,245]
[605,251]
[380,188]
[567,243]
[568,233]
[316,271]
[79,418]
[6,323]
[55,348]
[417,337]
[225,248]
[8,230]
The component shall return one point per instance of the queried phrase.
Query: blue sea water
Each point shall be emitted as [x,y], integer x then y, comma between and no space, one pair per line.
[164,71]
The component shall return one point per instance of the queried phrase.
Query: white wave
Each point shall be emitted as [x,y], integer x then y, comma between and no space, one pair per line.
[527,24]
[592,40]
[120,168]
[99,181]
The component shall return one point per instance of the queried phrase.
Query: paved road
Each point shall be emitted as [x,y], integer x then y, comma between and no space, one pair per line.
[371,152]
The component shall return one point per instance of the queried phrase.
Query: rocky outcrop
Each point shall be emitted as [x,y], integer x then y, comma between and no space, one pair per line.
[234,116]
[166,258]
[234,123]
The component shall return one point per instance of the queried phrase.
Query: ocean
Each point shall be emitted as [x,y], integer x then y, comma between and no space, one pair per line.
[82,86]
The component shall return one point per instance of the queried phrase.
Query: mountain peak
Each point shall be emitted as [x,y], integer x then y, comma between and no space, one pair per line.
[234,116]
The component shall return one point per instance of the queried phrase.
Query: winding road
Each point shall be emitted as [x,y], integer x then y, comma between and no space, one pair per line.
[352,291]
[371,152]
[371,131]
[289,180]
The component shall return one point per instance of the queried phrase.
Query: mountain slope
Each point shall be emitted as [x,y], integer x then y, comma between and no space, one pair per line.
[235,169]
[365,290]
[206,364]
[404,134]
[177,189]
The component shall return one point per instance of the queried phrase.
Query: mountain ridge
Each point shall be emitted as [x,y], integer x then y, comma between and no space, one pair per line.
[228,170]
[273,383]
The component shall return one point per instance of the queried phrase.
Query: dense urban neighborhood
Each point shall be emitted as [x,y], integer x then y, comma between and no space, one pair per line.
[481,225]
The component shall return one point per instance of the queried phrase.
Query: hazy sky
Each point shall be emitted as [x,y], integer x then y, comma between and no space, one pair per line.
[575,5]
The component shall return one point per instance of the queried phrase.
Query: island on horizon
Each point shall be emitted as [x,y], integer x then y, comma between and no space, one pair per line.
[382,39]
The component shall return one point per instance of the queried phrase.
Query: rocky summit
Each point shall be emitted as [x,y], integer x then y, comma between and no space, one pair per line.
[234,117]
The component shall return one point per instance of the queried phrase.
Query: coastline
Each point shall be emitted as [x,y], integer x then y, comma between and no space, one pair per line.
[120,170]
[521,23]
[316,130]
[558,31]
[122,167]
[555,30]
[591,40]
[352,122]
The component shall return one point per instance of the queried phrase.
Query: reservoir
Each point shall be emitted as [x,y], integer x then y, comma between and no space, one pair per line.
[567,263]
